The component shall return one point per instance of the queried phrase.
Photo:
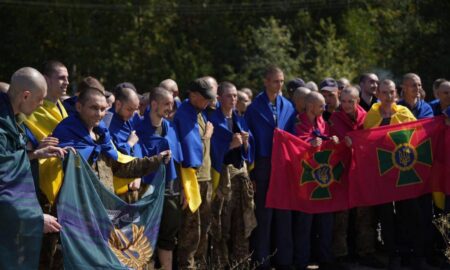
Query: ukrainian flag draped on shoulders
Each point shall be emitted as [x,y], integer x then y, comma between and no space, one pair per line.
[221,139]
[401,115]
[260,118]
[187,127]
[151,144]
[72,132]
[120,130]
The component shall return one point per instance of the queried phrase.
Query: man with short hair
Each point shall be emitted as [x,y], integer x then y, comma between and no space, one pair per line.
[243,101]
[330,91]
[368,82]
[269,110]
[404,214]
[443,101]
[411,97]
[248,91]
[157,134]
[18,203]
[313,129]
[69,104]
[172,87]
[194,132]
[298,98]
[233,206]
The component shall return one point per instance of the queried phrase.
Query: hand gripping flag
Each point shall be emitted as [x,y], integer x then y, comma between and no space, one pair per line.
[307,178]
[395,162]
[99,230]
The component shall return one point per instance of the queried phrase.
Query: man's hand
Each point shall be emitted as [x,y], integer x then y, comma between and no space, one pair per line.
[48,152]
[236,141]
[335,139]
[165,156]
[48,141]
[135,184]
[132,139]
[316,142]
[51,224]
[209,131]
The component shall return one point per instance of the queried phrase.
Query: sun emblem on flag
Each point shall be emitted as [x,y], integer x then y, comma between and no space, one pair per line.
[404,157]
[323,175]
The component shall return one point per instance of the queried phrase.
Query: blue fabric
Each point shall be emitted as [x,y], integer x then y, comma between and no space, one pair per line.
[21,224]
[420,111]
[436,107]
[101,231]
[260,121]
[151,144]
[187,128]
[72,132]
[222,137]
[69,105]
[120,131]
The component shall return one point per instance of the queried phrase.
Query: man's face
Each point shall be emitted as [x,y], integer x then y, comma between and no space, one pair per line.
[370,84]
[199,101]
[386,94]
[163,107]
[58,81]
[274,82]
[127,108]
[228,99]
[317,107]
[411,87]
[242,103]
[93,111]
[331,99]
[348,103]
[32,100]
[443,95]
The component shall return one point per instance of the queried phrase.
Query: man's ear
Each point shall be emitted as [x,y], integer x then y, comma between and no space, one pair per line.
[117,105]
[25,95]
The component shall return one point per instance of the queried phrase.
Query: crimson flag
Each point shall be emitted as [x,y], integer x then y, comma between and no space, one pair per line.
[306,178]
[397,162]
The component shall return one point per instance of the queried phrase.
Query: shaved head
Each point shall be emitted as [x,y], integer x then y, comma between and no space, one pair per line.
[29,79]
[299,98]
[27,90]
[170,85]
[352,91]
[313,97]
[4,87]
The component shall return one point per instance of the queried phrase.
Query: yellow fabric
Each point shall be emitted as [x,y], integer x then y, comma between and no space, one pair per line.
[215,176]
[43,121]
[439,199]
[191,188]
[121,184]
[250,166]
[401,115]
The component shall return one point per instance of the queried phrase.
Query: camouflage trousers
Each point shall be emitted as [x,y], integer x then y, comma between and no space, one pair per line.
[193,235]
[233,219]
[365,229]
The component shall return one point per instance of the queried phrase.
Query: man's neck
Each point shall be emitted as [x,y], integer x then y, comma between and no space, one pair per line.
[155,119]
[14,105]
[227,112]
[367,97]
[386,110]
[411,101]
[272,95]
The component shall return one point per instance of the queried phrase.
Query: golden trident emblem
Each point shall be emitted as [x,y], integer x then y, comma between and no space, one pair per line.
[136,253]
[404,156]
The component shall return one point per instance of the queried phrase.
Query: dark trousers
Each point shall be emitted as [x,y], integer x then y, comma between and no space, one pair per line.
[403,227]
[302,223]
[273,232]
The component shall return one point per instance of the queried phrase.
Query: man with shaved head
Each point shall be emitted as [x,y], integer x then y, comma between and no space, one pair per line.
[298,98]
[22,219]
[411,87]
[4,87]
[313,129]
[443,101]
[368,82]
[243,100]
[172,87]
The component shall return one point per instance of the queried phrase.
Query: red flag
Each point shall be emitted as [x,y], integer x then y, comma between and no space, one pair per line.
[396,162]
[306,178]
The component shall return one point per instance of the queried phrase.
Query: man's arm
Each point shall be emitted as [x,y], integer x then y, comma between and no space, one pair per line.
[138,167]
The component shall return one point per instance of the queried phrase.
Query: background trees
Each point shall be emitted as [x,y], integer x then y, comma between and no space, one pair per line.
[145,41]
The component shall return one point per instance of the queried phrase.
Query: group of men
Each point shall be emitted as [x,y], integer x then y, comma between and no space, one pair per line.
[216,146]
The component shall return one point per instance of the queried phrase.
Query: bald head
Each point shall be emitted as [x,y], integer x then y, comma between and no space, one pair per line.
[352,91]
[127,103]
[314,104]
[170,85]
[299,96]
[27,79]
[27,90]
[314,97]
[4,87]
